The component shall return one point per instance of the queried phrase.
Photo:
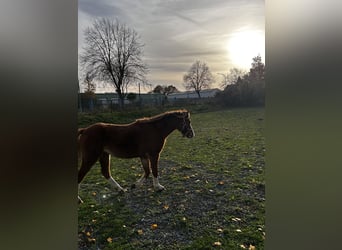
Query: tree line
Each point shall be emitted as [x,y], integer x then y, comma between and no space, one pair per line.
[113,53]
[244,88]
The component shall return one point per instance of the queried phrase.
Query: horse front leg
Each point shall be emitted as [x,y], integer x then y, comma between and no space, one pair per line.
[154,165]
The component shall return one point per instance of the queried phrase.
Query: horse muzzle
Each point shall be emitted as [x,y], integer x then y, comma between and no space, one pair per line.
[189,134]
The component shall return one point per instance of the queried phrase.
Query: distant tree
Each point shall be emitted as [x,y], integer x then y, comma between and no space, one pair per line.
[256,77]
[90,86]
[165,90]
[231,95]
[113,52]
[157,89]
[247,90]
[257,71]
[232,76]
[198,77]
[171,89]
[131,97]
[87,98]
[79,96]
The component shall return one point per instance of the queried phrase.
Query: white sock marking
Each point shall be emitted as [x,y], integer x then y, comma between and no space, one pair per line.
[115,184]
[156,184]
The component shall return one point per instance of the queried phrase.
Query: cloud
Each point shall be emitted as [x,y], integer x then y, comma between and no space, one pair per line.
[177,32]
[97,8]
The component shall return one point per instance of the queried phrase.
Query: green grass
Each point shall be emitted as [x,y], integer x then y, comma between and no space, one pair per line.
[215,189]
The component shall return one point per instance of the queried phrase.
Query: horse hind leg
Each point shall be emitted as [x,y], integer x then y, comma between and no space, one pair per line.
[105,170]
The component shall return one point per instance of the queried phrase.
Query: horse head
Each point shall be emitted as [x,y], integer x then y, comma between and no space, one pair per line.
[186,128]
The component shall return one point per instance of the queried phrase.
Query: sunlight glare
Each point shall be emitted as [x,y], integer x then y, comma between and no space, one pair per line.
[242,46]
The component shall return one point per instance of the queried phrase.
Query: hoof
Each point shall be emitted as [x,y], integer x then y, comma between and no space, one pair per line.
[160,188]
[122,191]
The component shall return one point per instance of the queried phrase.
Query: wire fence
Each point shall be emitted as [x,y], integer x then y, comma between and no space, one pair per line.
[93,104]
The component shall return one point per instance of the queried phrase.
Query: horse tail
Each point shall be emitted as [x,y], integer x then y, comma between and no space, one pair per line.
[80,132]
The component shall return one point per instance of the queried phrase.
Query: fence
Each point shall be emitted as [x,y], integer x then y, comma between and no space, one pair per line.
[86,104]
[92,103]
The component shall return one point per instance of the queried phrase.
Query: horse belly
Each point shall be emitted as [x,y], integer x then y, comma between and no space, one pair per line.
[123,151]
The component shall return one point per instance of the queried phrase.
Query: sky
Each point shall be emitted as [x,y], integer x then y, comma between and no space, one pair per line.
[223,33]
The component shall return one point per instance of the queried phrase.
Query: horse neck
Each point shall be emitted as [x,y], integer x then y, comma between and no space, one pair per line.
[167,125]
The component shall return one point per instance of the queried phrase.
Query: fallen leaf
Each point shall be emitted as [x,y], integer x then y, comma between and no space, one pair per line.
[221,183]
[220,230]
[238,230]
[236,219]
[109,240]
[243,246]
[94,193]
[217,244]
[88,234]
[140,232]
[91,240]
[166,207]
[154,226]
[251,247]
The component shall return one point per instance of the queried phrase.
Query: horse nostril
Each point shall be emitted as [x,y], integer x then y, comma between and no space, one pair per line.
[190,135]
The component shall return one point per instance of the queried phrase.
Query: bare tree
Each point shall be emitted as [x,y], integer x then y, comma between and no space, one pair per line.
[198,77]
[113,52]
[232,76]
[90,86]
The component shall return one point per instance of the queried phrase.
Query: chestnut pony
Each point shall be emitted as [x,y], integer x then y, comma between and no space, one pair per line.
[144,138]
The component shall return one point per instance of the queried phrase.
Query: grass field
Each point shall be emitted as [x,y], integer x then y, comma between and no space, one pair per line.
[214,197]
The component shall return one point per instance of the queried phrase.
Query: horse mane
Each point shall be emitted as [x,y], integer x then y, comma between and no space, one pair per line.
[162,115]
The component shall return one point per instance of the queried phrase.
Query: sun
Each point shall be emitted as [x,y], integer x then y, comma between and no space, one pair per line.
[243,45]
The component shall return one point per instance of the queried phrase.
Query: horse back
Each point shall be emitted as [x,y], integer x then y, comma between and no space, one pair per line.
[124,141]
